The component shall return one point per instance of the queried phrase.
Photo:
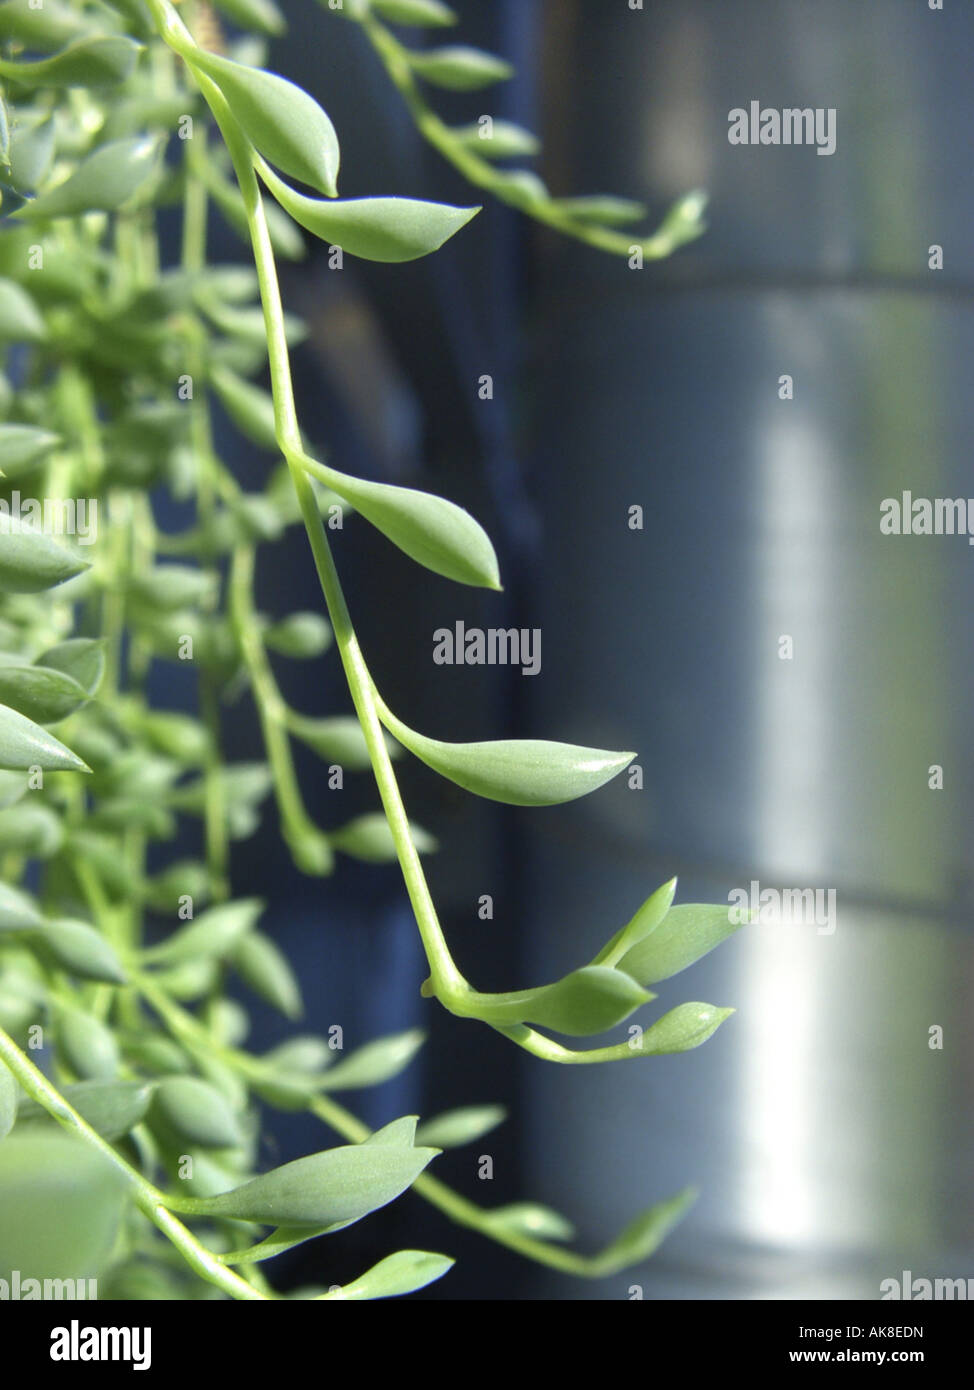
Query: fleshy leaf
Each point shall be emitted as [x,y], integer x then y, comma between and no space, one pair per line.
[603,209]
[685,934]
[93,62]
[459,68]
[499,140]
[87,1045]
[110,1107]
[31,154]
[338,739]
[42,695]
[421,14]
[300,635]
[586,1001]
[376,229]
[530,1219]
[325,1189]
[18,911]
[432,531]
[683,1028]
[282,121]
[264,967]
[30,560]
[402,1273]
[643,1236]
[250,408]
[401,1132]
[196,1111]
[23,447]
[80,949]
[81,658]
[24,744]
[20,318]
[214,934]
[42,26]
[375,1062]
[646,920]
[106,180]
[263,16]
[519,772]
[369,838]
[456,1127]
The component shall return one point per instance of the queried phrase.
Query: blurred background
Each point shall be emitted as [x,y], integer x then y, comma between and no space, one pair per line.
[831,1143]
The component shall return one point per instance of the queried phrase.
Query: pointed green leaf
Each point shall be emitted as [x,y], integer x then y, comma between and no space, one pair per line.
[459,68]
[172,587]
[369,838]
[93,62]
[338,740]
[264,967]
[376,229]
[40,24]
[30,560]
[335,1187]
[284,1238]
[646,920]
[8,1101]
[682,1029]
[42,695]
[587,1001]
[196,1111]
[24,447]
[80,949]
[32,828]
[683,223]
[522,188]
[603,209]
[300,635]
[213,935]
[376,1062]
[456,1127]
[282,122]
[291,1072]
[401,1132]
[421,14]
[20,318]
[106,180]
[404,1272]
[18,911]
[643,1237]
[433,532]
[306,1054]
[31,151]
[262,16]
[519,772]
[250,408]
[24,744]
[110,1107]
[499,140]
[687,933]
[87,1045]
[530,1219]
[81,658]
[13,788]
